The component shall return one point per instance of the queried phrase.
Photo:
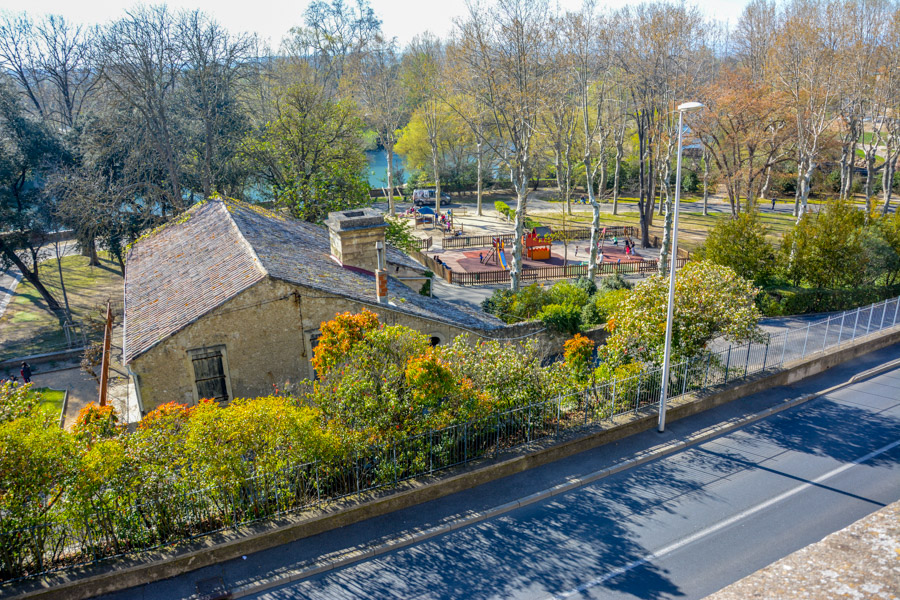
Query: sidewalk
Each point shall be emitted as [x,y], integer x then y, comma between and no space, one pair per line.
[364,538]
[859,561]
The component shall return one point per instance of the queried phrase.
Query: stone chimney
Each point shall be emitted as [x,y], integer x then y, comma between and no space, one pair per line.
[353,235]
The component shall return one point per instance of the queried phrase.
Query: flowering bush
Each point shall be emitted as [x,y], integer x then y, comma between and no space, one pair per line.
[710,301]
[338,337]
[95,422]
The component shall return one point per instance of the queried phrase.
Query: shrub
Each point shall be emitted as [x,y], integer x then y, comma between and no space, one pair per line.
[710,301]
[826,250]
[95,422]
[504,209]
[776,302]
[740,244]
[587,285]
[17,401]
[339,336]
[565,318]
[601,306]
[564,292]
[614,282]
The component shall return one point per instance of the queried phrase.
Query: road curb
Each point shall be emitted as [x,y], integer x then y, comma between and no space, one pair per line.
[641,458]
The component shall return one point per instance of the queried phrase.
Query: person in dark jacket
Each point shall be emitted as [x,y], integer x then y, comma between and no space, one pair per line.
[25,372]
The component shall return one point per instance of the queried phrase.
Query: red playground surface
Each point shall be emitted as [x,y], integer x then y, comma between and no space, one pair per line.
[468,261]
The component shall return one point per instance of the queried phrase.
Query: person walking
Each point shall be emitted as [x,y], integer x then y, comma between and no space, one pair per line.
[773,203]
[25,372]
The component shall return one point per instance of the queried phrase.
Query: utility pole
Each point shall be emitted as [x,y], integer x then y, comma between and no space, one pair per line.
[104,369]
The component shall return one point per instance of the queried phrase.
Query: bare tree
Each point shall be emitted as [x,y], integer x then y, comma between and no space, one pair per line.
[804,66]
[423,72]
[217,68]
[506,51]
[376,77]
[142,61]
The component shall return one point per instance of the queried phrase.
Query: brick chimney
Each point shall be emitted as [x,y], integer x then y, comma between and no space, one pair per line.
[353,235]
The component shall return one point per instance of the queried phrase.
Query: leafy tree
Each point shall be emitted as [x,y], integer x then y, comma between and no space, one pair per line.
[711,301]
[28,152]
[825,249]
[398,234]
[311,153]
[741,244]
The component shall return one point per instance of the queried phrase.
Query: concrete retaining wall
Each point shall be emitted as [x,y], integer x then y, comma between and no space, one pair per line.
[114,575]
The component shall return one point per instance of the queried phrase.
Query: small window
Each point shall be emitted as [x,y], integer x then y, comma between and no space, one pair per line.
[210,377]
[435,340]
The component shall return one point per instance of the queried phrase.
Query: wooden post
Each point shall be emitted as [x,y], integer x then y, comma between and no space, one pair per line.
[104,369]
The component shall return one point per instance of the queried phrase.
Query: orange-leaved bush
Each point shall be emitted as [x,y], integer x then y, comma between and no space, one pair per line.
[339,335]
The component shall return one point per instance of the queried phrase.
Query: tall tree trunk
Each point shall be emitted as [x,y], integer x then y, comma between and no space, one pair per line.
[480,177]
[520,181]
[666,244]
[887,178]
[389,153]
[33,277]
[619,153]
[62,283]
[595,215]
[705,182]
[437,179]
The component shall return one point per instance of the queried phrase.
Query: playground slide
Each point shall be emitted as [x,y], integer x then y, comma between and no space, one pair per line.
[502,254]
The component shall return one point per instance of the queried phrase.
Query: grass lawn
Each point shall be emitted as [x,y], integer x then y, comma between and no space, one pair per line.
[28,327]
[51,400]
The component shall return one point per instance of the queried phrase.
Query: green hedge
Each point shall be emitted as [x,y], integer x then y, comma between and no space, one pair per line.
[775,302]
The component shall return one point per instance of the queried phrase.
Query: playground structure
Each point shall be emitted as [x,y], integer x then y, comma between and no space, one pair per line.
[497,254]
[537,243]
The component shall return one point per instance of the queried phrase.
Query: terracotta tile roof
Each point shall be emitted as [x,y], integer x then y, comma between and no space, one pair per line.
[220,248]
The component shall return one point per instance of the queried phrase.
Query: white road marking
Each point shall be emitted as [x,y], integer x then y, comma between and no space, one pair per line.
[720,525]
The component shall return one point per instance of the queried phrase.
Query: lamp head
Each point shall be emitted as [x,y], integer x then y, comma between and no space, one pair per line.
[690,106]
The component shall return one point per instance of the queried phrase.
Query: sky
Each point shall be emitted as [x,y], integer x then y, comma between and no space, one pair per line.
[272,19]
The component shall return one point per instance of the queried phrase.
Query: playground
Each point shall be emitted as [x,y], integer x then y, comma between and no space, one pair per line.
[482,260]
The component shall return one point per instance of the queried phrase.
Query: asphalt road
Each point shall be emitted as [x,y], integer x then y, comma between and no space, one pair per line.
[682,526]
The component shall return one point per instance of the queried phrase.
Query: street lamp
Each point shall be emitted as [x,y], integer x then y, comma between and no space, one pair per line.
[682,108]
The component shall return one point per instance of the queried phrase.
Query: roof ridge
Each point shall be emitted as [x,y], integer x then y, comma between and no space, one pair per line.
[259,263]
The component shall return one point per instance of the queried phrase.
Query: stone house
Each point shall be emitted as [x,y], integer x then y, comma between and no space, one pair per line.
[226,301]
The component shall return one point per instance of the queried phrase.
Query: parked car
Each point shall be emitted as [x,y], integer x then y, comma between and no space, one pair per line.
[426,198]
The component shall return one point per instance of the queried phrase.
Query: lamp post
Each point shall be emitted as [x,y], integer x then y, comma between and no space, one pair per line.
[682,108]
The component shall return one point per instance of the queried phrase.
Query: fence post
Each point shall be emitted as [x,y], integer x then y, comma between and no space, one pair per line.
[883,314]
[465,443]
[637,398]
[896,307]
[430,451]
[783,348]
[318,487]
[806,339]
[394,460]
[825,339]
[747,362]
[856,322]
[765,355]
[869,324]
[684,378]
[727,364]
[528,425]
[706,373]
[558,400]
[841,330]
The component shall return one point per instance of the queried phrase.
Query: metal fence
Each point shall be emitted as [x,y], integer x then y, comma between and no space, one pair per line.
[642,268]
[122,525]
[579,233]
